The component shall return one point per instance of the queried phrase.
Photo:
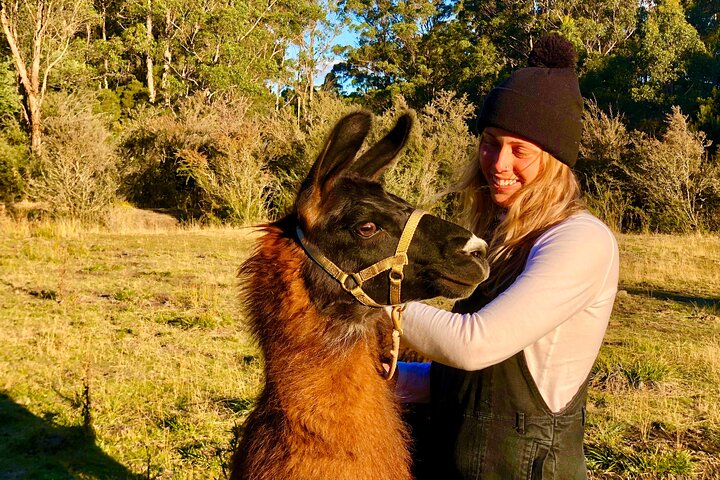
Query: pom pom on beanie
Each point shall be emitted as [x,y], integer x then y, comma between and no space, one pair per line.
[542,102]
[553,51]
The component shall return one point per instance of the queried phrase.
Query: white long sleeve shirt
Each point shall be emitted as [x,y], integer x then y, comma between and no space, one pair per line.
[556,311]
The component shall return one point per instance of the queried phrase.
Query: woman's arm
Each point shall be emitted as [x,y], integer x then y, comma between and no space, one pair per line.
[567,271]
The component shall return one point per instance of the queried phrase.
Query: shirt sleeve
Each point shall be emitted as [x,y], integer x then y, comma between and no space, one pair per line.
[564,274]
[413,385]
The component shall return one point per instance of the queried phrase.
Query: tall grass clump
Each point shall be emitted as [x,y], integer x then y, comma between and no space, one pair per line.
[75,175]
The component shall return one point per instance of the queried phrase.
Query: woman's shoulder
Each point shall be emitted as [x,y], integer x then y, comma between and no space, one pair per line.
[581,229]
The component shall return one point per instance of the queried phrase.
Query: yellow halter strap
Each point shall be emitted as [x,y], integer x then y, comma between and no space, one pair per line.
[353,282]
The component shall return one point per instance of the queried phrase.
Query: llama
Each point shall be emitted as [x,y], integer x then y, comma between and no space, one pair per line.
[326,411]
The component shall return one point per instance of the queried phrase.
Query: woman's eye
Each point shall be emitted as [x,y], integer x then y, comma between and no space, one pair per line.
[366,229]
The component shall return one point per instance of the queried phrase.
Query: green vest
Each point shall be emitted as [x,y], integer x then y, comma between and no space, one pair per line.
[493,424]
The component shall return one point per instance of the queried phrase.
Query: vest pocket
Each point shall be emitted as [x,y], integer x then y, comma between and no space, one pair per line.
[538,455]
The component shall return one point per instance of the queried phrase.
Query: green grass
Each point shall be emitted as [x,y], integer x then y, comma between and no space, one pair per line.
[125,356]
[655,397]
[122,355]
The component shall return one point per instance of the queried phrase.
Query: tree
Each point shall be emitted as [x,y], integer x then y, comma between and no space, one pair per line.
[667,45]
[315,49]
[39,34]
[392,57]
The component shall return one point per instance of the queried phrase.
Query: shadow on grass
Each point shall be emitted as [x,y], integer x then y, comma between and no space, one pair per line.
[38,449]
[702,302]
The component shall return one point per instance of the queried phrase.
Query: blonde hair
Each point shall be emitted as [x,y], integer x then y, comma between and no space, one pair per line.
[551,197]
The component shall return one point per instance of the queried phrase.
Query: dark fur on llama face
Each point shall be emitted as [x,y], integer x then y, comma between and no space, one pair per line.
[325,410]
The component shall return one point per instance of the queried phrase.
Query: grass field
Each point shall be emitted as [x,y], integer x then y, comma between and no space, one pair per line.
[124,356]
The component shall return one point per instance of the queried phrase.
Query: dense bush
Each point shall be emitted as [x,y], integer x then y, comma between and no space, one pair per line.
[76,173]
[204,161]
[14,160]
[637,182]
[14,143]
[674,177]
[224,161]
[604,146]
[438,151]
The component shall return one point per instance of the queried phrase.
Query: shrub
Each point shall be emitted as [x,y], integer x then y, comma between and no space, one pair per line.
[291,144]
[14,160]
[673,177]
[205,160]
[76,174]
[226,162]
[14,151]
[604,146]
[438,151]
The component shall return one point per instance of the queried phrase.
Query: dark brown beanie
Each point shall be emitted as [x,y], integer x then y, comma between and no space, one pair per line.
[541,102]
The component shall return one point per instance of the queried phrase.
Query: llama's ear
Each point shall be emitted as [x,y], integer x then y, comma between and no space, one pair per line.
[334,159]
[340,149]
[373,163]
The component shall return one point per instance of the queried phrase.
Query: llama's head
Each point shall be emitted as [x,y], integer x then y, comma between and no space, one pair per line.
[345,216]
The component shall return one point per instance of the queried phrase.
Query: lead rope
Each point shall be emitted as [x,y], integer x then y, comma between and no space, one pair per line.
[396,317]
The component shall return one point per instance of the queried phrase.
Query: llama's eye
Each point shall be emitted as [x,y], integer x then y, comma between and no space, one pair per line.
[366,229]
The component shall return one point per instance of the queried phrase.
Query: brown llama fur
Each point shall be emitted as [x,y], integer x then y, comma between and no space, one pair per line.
[325,406]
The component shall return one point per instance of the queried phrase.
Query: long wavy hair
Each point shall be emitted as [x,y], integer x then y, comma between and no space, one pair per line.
[551,197]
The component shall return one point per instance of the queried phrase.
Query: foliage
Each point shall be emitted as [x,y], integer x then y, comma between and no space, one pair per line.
[667,44]
[14,160]
[76,172]
[674,176]
[604,145]
[437,153]
[147,60]
[205,162]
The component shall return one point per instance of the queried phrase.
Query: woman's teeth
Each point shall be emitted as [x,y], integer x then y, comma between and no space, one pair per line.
[505,183]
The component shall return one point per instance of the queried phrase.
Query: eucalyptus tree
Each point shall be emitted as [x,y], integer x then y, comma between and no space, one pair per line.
[667,44]
[39,34]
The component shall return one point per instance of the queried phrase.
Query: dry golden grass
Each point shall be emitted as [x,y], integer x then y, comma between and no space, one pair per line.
[124,355]
[136,335]
[656,387]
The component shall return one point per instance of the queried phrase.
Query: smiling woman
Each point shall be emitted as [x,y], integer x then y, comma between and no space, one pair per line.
[508,162]
[510,368]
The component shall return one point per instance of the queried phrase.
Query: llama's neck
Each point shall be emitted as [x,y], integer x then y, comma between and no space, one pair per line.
[291,322]
[323,379]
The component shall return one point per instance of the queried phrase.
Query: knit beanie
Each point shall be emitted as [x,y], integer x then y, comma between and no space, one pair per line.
[541,102]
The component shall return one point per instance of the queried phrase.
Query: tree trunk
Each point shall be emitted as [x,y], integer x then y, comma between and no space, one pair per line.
[35,105]
[148,58]
[167,59]
[106,64]
[30,80]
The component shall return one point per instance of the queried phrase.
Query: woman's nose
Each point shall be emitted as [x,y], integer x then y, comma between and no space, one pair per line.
[503,160]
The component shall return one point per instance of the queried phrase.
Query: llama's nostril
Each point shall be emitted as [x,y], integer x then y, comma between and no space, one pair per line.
[477,247]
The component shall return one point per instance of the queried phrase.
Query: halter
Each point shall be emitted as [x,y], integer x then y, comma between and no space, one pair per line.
[353,282]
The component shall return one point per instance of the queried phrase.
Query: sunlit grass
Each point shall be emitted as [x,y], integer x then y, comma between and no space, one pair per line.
[124,353]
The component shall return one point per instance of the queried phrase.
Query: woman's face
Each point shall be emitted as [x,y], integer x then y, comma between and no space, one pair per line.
[508,162]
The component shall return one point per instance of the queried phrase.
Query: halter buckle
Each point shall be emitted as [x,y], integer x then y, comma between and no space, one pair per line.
[358,282]
[396,276]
